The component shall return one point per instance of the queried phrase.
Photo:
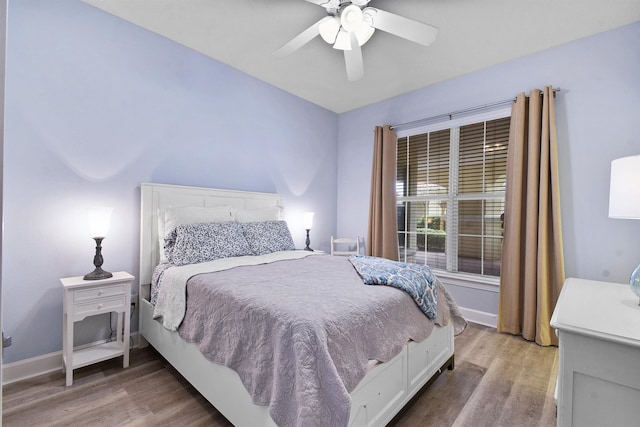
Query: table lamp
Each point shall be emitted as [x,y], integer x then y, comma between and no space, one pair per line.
[307,222]
[99,219]
[624,199]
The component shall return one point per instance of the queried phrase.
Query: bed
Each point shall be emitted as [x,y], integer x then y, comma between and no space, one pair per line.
[378,396]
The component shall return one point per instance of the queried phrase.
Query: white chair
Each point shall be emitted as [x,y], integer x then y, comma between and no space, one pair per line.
[350,246]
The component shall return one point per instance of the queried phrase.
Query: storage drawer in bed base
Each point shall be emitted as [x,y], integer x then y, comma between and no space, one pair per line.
[381,394]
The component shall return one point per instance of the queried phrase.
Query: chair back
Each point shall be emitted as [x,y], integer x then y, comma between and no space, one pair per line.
[345,246]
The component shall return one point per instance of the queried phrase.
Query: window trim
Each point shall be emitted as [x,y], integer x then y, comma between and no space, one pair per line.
[456,123]
[468,280]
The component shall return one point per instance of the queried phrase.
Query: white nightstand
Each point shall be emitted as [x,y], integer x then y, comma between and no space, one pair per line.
[84,298]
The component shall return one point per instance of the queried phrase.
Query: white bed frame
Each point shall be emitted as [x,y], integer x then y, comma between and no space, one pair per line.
[382,393]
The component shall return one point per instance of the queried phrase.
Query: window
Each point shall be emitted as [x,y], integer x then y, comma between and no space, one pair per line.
[450,193]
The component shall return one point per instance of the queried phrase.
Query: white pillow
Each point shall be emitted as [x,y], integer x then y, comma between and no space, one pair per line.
[170,218]
[272,213]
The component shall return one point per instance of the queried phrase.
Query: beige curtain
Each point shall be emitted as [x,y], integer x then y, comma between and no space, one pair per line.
[382,235]
[532,258]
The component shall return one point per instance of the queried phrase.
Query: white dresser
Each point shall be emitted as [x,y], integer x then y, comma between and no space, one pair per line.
[598,324]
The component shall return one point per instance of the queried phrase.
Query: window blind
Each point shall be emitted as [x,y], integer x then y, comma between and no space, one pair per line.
[450,187]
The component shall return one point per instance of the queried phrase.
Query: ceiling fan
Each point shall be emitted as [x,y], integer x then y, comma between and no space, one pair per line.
[351,24]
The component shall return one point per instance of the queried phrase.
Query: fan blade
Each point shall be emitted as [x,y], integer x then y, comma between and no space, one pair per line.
[353,60]
[301,39]
[400,26]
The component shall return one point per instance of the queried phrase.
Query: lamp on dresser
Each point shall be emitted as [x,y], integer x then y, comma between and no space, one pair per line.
[99,219]
[624,200]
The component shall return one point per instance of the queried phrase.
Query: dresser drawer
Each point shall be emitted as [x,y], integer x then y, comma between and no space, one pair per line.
[103,305]
[100,292]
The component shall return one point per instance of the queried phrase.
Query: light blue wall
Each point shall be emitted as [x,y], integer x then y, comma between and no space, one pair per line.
[598,117]
[94,107]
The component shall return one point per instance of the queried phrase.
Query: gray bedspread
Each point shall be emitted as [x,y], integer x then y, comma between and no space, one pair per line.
[300,332]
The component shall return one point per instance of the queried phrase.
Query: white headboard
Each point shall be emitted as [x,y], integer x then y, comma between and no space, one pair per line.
[162,196]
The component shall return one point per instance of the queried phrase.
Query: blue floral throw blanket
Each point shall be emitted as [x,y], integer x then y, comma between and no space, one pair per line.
[416,280]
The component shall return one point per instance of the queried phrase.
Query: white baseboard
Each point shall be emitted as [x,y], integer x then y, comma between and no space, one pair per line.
[480,317]
[28,368]
[40,365]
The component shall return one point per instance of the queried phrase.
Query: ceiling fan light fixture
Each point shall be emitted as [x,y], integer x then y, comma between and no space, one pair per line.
[350,24]
[351,18]
[329,30]
[364,34]
[342,41]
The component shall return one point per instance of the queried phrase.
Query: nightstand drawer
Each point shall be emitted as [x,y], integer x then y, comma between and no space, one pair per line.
[101,292]
[102,305]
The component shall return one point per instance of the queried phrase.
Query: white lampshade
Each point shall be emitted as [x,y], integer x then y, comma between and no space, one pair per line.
[624,193]
[351,18]
[99,219]
[307,220]
[329,30]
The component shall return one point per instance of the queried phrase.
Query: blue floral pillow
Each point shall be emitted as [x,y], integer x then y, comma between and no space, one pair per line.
[195,243]
[265,237]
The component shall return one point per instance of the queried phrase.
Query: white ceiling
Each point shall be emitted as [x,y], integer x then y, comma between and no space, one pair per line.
[473,35]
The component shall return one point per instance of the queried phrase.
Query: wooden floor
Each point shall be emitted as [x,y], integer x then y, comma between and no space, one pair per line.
[499,380]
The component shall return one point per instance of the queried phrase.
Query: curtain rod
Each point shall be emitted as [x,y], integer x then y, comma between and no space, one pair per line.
[466,110]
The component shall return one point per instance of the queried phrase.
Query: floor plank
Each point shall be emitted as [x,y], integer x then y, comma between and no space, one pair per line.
[499,380]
